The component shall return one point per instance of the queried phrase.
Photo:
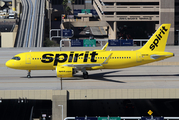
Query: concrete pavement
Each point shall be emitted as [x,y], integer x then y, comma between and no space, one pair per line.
[162,74]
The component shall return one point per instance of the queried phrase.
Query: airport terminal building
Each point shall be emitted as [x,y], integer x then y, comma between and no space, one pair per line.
[107,19]
[126,19]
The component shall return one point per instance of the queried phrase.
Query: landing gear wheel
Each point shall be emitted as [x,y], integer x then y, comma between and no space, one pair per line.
[28,76]
[85,75]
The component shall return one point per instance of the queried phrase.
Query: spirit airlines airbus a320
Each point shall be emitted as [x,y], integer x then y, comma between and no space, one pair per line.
[67,63]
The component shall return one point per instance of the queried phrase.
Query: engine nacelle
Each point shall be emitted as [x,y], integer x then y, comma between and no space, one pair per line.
[64,71]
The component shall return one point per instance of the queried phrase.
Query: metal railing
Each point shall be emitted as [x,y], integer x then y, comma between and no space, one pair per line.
[134,118]
[69,40]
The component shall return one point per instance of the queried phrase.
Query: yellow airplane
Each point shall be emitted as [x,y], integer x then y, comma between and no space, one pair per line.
[67,63]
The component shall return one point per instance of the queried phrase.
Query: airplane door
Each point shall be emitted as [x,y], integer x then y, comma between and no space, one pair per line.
[138,57]
[28,59]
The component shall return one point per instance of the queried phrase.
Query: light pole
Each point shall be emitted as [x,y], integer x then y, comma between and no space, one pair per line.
[49,14]
[62,110]
[62,17]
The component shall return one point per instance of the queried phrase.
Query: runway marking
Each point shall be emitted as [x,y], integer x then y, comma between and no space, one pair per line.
[67,81]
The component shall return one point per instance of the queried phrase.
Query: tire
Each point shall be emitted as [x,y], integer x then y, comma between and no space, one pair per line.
[28,76]
[85,75]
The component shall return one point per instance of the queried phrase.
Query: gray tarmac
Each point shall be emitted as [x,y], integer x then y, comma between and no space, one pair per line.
[162,74]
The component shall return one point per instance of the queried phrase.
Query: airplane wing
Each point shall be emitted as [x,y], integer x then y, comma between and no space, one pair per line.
[107,59]
[80,66]
[89,65]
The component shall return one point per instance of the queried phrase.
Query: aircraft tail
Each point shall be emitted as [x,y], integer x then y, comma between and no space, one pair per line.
[159,39]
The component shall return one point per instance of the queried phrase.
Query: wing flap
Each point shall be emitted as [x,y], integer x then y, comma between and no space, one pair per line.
[82,65]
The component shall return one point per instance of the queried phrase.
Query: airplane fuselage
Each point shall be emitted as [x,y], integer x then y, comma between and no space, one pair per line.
[67,63]
[50,60]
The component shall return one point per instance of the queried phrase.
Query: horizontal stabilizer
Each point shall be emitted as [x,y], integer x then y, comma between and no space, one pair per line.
[157,56]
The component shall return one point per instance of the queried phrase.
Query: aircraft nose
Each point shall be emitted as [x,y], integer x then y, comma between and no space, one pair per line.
[8,64]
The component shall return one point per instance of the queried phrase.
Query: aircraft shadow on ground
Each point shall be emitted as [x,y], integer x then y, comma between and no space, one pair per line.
[172,75]
[97,76]
[40,77]
[102,76]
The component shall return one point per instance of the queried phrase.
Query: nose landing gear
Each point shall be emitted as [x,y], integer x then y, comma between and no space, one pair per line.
[28,74]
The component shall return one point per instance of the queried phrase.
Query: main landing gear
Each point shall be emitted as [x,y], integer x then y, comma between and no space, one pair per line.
[85,73]
[28,74]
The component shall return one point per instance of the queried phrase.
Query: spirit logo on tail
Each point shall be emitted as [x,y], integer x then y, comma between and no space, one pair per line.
[158,38]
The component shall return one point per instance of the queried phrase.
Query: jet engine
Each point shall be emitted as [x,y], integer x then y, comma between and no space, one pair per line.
[64,71]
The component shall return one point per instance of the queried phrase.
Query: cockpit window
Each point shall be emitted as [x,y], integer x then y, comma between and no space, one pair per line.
[16,58]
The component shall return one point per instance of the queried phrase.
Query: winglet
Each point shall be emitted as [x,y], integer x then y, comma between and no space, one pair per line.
[107,59]
[104,47]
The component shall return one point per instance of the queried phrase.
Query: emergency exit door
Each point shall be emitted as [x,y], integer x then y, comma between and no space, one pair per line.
[138,57]
[28,59]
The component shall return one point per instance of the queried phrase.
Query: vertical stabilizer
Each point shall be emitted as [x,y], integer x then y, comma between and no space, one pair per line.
[159,39]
